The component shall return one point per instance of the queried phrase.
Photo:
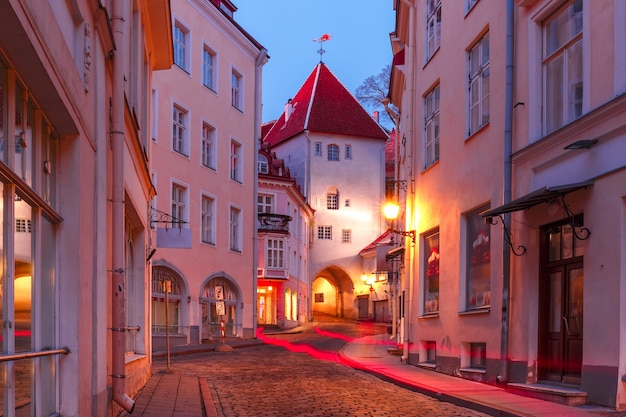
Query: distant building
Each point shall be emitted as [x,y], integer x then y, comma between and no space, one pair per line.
[335,151]
[513,114]
[284,222]
[204,151]
[76,189]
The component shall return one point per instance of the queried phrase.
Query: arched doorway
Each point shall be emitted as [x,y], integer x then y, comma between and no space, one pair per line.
[167,293]
[219,301]
[333,293]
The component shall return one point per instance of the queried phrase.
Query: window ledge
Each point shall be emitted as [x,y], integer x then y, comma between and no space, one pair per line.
[132,357]
[479,310]
[474,370]
[427,365]
[433,315]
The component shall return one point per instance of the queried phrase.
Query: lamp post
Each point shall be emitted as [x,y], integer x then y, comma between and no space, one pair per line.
[391,211]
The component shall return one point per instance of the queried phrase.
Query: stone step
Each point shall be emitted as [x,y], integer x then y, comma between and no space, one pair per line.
[554,393]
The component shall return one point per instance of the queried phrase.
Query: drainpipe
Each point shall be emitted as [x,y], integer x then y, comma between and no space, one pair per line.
[260,61]
[118,284]
[508,146]
[407,282]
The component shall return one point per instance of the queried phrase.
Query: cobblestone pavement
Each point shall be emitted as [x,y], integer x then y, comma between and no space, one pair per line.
[300,375]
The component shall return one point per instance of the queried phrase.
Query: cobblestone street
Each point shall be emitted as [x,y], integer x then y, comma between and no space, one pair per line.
[300,375]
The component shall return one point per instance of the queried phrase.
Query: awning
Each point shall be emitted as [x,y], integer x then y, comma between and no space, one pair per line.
[394,253]
[543,195]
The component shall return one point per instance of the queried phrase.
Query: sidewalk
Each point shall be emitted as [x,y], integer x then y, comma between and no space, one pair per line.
[368,354]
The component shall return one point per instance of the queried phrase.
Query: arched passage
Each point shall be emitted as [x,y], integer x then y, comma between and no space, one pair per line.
[333,292]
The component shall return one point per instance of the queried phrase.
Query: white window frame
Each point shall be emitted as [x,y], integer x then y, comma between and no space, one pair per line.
[207,218]
[348,154]
[179,203]
[236,89]
[209,145]
[181,45]
[346,236]
[234,218]
[236,161]
[433,28]
[333,152]
[209,67]
[265,203]
[263,166]
[318,148]
[180,131]
[431,127]
[275,253]
[324,232]
[478,88]
[563,102]
[332,201]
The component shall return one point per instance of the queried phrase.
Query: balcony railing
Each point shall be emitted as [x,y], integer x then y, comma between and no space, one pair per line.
[269,222]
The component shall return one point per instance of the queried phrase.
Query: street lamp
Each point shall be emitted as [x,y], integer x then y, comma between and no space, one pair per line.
[391,210]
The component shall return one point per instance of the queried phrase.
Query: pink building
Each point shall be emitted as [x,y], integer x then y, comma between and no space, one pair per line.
[284,222]
[76,189]
[513,116]
[204,153]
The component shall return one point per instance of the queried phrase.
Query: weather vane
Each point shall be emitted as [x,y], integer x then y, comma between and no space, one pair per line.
[325,37]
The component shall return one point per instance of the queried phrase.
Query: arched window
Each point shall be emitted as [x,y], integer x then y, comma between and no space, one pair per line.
[165,286]
[219,298]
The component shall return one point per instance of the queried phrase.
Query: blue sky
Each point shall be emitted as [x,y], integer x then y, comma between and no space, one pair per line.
[359,46]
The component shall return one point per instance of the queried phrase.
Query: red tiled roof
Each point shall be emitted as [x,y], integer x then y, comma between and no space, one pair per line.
[324,105]
[383,239]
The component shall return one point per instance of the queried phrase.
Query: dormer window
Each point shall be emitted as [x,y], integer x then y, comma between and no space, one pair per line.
[262,164]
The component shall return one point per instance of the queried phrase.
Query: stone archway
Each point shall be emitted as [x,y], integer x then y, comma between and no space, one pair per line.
[333,293]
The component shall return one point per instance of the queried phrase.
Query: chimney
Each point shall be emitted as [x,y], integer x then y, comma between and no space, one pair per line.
[288,110]
[376,117]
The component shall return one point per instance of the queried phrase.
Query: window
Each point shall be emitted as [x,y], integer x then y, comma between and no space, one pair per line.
[562,66]
[332,200]
[478,260]
[348,152]
[333,153]
[431,273]
[236,162]
[479,85]
[181,40]
[208,68]
[263,166]
[179,199]
[430,351]
[325,232]
[478,355]
[236,87]
[433,27]
[208,146]
[179,130]
[347,202]
[23,226]
[469,4]
[346,235]
[275,253]
[165,281]
[235,222]
[318,148]
[208,217]
[431,127]
[265,203]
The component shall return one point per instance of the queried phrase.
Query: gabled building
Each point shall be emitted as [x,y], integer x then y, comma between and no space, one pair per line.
[335,150]
[513,116]
[205,142]
[76,189]
[284,221]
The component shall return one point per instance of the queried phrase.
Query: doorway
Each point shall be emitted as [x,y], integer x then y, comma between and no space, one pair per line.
[561,308]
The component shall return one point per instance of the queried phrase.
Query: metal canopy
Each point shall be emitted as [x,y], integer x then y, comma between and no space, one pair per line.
[543,195]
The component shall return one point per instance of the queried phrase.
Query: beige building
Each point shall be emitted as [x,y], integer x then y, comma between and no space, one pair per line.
[74,131]
[513,116]
[204,152]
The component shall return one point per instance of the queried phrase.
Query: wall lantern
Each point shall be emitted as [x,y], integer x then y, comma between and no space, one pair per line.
[391,211]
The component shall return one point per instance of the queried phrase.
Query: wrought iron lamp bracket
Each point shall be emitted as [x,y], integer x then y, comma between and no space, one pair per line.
[158,216]
[521,249]
[408,233]
[572,221]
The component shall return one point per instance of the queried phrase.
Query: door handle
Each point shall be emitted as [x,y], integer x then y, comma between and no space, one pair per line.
[567,331]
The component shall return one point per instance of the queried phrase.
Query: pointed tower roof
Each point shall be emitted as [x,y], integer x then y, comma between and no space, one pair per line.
[324,105]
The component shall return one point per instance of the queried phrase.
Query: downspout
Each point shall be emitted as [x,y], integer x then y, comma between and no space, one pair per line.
[257,143]
[409,56]
[305,193]
[118,284]
[508,146]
